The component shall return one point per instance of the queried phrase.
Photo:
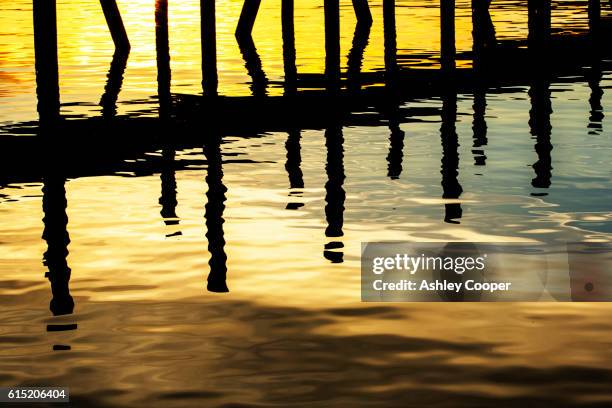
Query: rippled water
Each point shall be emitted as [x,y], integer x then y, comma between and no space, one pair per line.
[286,213]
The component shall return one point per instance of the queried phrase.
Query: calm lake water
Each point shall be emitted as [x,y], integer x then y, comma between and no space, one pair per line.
[288,218]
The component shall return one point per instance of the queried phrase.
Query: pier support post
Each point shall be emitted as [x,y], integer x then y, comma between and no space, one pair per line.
[162,50]
[362,11]
[45,51]
[115,24]
[334,191]
[287,15]
[539,26]
[483,33]
[250,8]
[390,38]
[594,16]
[332,44]
[208,32]
[447,35]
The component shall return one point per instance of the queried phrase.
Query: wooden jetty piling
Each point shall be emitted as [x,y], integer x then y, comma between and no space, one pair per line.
[46,65]
[332,44]
[447,35]
[390,43]
[250,8]
[162,50]
[288,31]
[208,32]
[115,24]
[362,11]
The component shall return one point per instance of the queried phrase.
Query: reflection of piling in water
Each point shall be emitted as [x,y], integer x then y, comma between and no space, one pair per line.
[355,56]
[396,146]
[162,49]
[167,199]
[108,102]
[334,192]
[539,92]
[390,38]
[214,216]
[209,47]
[332,44]
[45,50]
[447,35]
[596,114]
[479,127]
[451,189]
[293,167]
[56,234]
[540,128]
[483,33]
[287,15]
[115,25]
[252,62]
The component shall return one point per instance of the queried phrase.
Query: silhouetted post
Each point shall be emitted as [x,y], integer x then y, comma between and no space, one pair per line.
[334,192]
[451,189]
[396,150]
[209,47]
[596,113]
[594,17]
[332,44]
[362,11]
[115,24]
[391,69]
[252,63]
[162,49]
[479,127]
[55,233]
[447,35]
[167,199]
[540,128]
[355,56]
[45,50]
[214,216]
[483,32]
[250,8]
[108,102]
[287,15]
[539,27]
[293,167]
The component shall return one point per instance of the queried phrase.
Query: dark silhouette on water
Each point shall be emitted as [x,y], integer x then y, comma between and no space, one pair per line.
[287,16]
[483,35]
[447,35]
[108,102]
[115,25]
[539,92]
[293,167]
[396,147]
[208,33]
[334,192]
[45,51]
[332,45]
[355,56]
[596,114]
[252,62]
[451,189]
[214,215]
[479,127]
[390,44]
[55,233]
[167,199]
[540,129]
[162,50]
[362,11]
